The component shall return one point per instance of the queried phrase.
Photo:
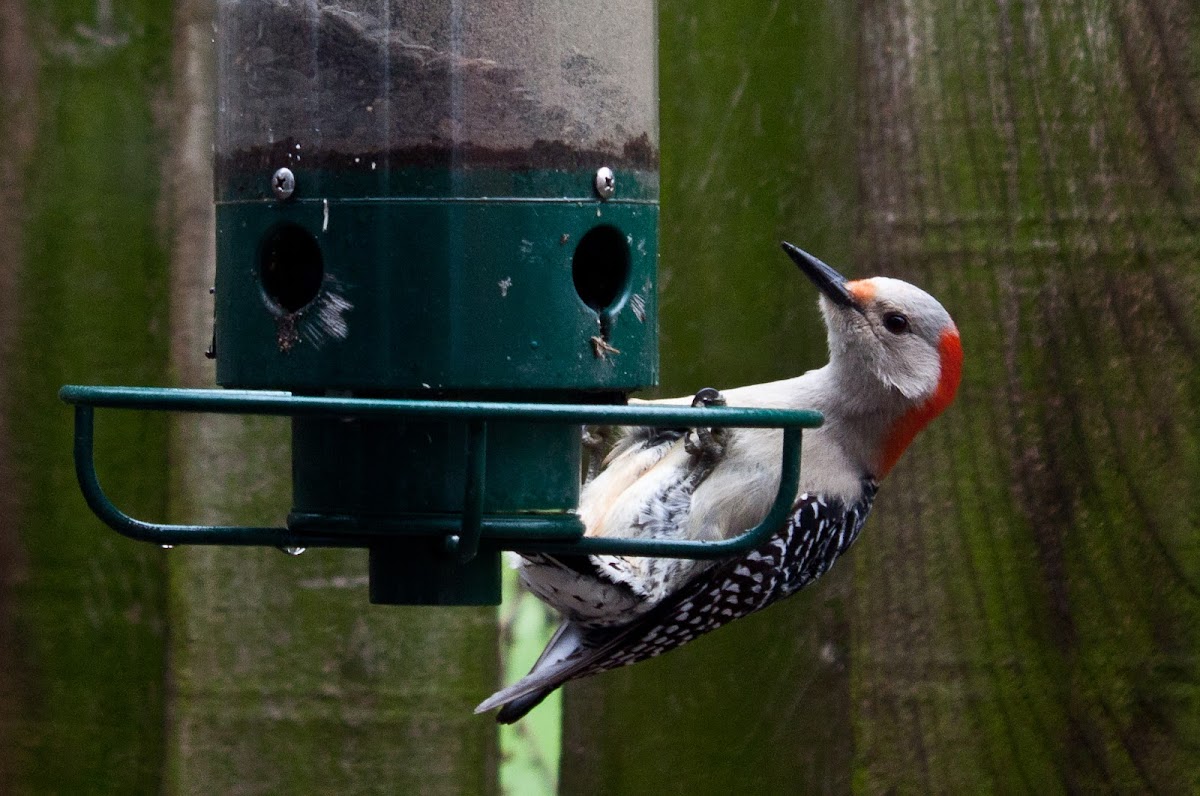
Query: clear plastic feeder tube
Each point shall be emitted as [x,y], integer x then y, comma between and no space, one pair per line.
[380,86]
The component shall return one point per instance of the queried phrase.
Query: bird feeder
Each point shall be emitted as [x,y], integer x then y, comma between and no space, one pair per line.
[436,250]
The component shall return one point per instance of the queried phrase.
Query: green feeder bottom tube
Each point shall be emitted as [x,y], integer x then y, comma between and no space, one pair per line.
[400,478]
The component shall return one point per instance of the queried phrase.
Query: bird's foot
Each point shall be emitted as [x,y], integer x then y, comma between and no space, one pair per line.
[706,442]
[596,438]
[598,441]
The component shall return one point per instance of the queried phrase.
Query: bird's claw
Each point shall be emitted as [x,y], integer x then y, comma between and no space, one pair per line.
[597,442]
[705,441]
[595,439]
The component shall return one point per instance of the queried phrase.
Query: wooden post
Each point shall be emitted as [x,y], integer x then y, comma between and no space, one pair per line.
[82,684]
[123,666]
[756,110]
[1022,610]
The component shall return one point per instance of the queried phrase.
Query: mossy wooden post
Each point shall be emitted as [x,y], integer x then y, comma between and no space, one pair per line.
[1022,612]
[82,668]
[1028,599]
[124,667]
[285,678]
[756,111]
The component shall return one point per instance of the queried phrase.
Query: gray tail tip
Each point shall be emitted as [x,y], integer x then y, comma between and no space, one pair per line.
[491,703]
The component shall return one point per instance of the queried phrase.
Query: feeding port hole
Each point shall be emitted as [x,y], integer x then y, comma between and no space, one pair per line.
[291,267]
[600,267]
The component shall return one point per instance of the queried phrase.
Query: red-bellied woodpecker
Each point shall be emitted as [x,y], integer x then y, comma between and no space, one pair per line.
[894,365]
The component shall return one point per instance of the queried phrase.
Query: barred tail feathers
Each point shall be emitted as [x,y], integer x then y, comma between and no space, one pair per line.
[554,667]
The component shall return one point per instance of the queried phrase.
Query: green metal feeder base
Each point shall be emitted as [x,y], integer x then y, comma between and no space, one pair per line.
[418,574]
[432,556]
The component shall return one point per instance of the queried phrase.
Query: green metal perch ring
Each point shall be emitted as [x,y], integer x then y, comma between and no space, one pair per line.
[463,534]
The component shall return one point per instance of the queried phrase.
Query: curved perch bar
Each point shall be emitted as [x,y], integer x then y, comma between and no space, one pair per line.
[465,534]
[159,533]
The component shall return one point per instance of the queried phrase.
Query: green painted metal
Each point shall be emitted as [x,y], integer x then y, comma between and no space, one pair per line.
[459,295]
[419,557]
[376,279]
[251,402]
[429,574]
[434,295]
[467,545]
[383,467]
[517,528]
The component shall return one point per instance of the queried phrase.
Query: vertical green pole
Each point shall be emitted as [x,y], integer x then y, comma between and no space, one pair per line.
[83,299]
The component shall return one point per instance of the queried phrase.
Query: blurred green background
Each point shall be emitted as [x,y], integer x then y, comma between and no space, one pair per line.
[1022,612]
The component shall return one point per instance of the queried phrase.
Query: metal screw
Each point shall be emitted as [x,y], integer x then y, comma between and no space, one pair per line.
[283,183]
[606,182]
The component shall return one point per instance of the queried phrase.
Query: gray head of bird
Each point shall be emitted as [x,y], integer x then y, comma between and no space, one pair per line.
[895,338]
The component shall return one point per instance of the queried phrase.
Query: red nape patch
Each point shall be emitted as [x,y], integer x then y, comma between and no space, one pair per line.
[911,423]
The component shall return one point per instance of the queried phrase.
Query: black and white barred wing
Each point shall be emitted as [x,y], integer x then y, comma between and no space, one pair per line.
[815,535]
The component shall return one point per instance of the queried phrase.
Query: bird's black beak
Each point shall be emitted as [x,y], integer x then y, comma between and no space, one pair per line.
[827,280]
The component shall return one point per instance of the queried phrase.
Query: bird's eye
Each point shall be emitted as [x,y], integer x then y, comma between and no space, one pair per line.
[895,323]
